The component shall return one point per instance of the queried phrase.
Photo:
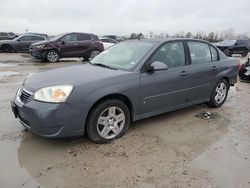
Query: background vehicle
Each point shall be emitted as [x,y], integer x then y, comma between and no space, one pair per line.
[230,47]
[130,81]
[38,34]
[107,42]
[20,44]
[115,37]
[67,45]
[244,72]
[7,35]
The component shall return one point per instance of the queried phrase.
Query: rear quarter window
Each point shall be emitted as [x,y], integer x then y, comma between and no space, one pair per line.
[214,54]
[83,37]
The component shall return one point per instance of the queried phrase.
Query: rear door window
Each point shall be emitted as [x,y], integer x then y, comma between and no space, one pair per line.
[171,53]
[83,37]
[37,38]
[199,52]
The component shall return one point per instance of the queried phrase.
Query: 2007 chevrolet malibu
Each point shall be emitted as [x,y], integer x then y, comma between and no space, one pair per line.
[129,81]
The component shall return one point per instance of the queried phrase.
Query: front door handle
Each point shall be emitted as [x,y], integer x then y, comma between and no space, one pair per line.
[183,73]
[214,68]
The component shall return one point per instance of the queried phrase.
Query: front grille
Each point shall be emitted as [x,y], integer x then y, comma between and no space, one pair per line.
[24,95]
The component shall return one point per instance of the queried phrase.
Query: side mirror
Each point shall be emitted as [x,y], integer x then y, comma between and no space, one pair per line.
[63,41]
[157,66]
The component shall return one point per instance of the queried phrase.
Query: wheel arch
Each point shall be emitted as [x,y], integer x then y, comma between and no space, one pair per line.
[117,96]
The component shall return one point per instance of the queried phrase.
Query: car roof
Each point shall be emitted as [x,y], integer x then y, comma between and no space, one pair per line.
[162,40]
[34,35]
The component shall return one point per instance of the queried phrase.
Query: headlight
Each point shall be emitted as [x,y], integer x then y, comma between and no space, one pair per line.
[55,94]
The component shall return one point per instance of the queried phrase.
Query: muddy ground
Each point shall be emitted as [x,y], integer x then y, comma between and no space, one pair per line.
[177,149]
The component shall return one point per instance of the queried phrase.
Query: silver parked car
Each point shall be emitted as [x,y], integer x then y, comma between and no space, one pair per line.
[129,81]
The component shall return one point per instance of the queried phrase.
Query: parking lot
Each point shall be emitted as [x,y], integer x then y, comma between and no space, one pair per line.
[176,149]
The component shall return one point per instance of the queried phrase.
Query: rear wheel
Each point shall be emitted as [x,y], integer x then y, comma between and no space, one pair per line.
[245,53]
[219,94]
[107,121]
[93,54]
[53,56]
[7,49]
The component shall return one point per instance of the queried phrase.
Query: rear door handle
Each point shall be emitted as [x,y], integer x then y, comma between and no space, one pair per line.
[183,73]
[214,68]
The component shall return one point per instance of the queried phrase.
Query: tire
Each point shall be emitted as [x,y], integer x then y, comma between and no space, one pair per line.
[242,71]
[93,54]
[244,54]
[52,56]
[7,49]
[228,52]
[219,94]
[103,126]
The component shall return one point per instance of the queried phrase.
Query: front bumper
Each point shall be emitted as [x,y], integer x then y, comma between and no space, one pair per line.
[49,119]
[38,53]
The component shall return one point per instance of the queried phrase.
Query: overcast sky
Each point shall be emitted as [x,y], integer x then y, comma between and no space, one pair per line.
[124,16]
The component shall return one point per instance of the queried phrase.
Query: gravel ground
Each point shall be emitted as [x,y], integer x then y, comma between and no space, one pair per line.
[176,149]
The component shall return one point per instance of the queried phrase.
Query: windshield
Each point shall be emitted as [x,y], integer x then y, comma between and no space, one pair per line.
[56,37]
[124,55]
[228,42]
[18,38]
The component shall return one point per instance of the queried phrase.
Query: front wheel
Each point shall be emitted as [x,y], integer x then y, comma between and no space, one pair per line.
[107,121]
[53,56]
[219,94]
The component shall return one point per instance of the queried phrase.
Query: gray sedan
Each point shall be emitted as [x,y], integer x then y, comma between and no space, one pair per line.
[21,43]
[129,81]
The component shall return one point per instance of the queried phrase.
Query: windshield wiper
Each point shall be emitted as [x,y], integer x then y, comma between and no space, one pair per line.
[103,65]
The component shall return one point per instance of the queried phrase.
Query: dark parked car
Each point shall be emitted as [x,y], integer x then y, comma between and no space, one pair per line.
[7,35]
[129,81]
[67,45]
[20,44]
[244,72]
[230,47]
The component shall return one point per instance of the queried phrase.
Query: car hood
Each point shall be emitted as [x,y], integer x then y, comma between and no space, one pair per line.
[74,75]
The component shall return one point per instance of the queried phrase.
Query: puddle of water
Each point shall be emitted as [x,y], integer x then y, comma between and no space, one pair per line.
[7,73]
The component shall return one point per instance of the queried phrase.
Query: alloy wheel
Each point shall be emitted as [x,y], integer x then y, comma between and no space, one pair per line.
[111,122]
[94,53]
[52,56]
[220,92]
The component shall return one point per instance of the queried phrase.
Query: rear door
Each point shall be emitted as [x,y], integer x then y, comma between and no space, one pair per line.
[36,39]
[85,44]
[241,47]
[166,89]
[203,69]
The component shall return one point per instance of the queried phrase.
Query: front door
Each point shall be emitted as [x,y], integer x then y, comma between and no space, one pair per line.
[69,45]
[166,89]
